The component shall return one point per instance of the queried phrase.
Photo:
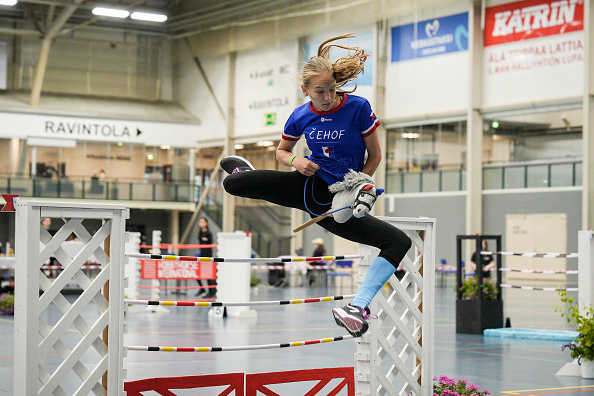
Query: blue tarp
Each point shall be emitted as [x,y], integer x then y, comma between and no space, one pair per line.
[532,334]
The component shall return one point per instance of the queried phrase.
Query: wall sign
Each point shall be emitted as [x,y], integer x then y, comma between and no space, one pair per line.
[264,78]
[430,37]
[530,19]
[24,125]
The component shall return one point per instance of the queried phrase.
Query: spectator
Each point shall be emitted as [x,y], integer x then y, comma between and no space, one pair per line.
[205,238]
[319,251]
[486,260]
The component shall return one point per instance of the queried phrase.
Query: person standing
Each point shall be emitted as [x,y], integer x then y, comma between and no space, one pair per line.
[485,258]
[205,238]
[319,251]
[340,131]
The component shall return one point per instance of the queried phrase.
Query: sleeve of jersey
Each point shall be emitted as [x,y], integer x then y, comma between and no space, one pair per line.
[291,131]
[368,122]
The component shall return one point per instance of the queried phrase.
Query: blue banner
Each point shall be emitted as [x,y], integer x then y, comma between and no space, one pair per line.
[431,37]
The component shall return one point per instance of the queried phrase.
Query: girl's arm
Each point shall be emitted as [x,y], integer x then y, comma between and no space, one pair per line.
[284,153]
[374,154]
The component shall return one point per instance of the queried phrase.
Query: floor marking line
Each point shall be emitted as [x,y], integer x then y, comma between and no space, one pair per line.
[579,389]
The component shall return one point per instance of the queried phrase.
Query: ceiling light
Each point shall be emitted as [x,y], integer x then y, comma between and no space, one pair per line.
[239,146]
[110,12]
[265,143]
[410,135]
[8,2]
[146,16]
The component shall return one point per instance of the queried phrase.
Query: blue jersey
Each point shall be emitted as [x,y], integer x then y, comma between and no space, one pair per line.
[334,137]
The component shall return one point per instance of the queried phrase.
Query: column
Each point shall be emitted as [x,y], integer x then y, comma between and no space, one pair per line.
[588,121]
[474,130]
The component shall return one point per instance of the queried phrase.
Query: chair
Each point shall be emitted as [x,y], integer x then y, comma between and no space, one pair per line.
[445,269]
[342,264]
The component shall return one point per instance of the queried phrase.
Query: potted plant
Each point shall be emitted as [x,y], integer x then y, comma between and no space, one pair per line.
[474,312]
[6,304]
[582,347]
[449,387]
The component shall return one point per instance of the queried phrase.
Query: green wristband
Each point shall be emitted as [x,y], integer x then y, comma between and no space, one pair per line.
[291,161]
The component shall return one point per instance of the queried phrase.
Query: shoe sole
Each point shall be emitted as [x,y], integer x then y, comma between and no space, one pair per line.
[355,326]
[230,171]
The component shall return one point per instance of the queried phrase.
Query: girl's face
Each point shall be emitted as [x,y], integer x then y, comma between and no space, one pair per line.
[322,92]
[202,224]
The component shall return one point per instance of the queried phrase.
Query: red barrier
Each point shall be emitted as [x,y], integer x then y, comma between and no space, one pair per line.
[159,269]
[253,383]
[164,386]
[258,382]
[166,246]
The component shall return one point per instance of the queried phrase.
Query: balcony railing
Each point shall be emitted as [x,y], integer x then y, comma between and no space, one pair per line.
[98,189]
[533,174]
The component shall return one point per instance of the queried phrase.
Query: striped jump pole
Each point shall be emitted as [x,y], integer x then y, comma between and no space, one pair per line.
[242,260]
[533,254]
[239,304]
[236,348]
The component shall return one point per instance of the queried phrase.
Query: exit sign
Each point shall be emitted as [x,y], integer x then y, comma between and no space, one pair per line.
[270,119]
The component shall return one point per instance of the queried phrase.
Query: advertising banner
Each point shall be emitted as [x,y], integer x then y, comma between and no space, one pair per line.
[428,72]
[430,37]
[533,51]
[164,269]
[530,19]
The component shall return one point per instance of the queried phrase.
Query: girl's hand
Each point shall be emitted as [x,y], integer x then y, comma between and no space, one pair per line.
[305,166]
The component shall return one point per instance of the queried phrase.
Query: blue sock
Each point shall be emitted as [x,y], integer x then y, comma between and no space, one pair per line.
[378,274]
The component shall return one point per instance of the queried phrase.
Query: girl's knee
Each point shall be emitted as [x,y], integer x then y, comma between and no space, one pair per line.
[230,184]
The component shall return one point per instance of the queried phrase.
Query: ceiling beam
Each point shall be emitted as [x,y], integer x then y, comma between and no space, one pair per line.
[44,52]
[20,32]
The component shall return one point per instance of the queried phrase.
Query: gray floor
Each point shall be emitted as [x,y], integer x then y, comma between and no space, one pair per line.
[502,366]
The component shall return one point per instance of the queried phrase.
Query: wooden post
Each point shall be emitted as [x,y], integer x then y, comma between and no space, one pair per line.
[422,235]
[107,249]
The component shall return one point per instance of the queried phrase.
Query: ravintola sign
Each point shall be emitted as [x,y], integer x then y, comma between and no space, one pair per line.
[530,19]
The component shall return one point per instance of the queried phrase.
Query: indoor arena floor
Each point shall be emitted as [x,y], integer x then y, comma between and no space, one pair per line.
[502,366]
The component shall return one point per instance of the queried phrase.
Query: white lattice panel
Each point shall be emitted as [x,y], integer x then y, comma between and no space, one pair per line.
[395,357]
[75,352]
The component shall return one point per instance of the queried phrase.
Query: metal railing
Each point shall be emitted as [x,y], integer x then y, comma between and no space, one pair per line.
[529,174]
[44,187]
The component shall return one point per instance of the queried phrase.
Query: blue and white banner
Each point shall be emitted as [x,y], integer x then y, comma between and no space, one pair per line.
[431,37]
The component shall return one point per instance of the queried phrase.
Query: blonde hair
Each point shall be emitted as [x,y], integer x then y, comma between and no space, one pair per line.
[345,69]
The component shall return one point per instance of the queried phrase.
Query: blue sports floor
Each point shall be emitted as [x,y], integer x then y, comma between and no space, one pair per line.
[501,366]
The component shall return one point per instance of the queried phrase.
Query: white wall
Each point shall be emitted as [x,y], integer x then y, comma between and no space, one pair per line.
[191,91]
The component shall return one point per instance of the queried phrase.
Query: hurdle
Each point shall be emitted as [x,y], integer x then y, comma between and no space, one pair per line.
[33,336]
[411,369]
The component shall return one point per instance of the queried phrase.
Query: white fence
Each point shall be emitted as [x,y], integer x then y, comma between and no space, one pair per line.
[395,357]
[38,334]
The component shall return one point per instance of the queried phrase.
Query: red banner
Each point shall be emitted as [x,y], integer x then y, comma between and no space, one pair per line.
[168,269]
[529,19]
[232,383]
[319,379]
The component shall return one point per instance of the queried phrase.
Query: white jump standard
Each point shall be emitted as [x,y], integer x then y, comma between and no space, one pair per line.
[411,368]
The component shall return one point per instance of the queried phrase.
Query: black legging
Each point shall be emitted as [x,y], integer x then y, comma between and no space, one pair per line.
[287,189]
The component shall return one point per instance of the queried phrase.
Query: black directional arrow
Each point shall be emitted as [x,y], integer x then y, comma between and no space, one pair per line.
[138,132]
